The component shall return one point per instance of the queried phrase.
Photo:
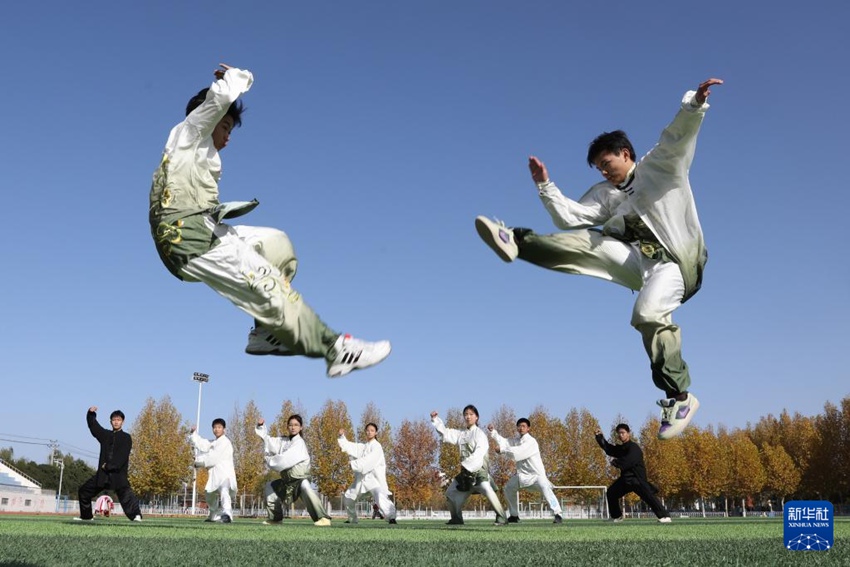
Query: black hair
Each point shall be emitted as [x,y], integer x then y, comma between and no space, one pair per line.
[117,413]
[623,426]
[609,142]
[234,111]
[523,420]
[219,421]
[373,425]
[473,408]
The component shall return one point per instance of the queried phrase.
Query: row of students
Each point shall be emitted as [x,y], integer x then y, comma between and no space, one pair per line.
[288,456]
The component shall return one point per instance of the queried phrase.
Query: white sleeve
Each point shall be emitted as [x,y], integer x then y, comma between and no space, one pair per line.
[271,445]
[500,441]
[568,214]
[223,92]
[349,447]
[369,461]
[527,447]
[220,451]
[447,435]
[676,146]
[295,453]
[199,442]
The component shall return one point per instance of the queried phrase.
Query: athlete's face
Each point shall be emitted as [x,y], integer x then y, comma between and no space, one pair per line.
[614,167]
[470,418]
[522,428]
[218,430]
[293,427]
[221,134]
[623,435]
[371,432]
[117,422]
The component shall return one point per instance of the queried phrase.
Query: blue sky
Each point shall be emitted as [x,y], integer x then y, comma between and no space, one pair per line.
[375,133]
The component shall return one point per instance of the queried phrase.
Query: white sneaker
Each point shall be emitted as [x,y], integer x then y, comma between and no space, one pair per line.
[675,415]
[322,522]
[665,520]
[617,520]
[262,342]
[498,237]
[272,522]
[78,519]
[349,354]
[138,518]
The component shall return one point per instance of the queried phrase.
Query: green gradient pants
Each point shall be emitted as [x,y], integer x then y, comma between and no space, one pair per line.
[659,285]
[253,268]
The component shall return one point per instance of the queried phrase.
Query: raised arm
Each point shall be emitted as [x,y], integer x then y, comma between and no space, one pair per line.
[230,83]
[95,428]
[369,461]
[447,435]
[675,147]
[527,447]
[350,448]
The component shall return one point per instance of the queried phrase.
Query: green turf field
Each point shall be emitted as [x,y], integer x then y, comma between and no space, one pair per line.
[57,540]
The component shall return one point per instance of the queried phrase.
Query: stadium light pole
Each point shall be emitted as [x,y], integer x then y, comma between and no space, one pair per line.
[61,464]
[200,378]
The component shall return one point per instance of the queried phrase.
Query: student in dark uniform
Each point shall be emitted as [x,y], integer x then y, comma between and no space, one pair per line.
[115,446]
[628,457]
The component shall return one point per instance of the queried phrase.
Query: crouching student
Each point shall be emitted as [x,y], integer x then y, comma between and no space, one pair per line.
[289,456]
[474,477]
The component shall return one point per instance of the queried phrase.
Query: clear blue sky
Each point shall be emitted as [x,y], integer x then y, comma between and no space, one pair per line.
[375,133]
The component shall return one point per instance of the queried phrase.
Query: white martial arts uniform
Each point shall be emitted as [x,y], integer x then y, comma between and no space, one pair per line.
[217,457]
[289,457]
[370,477]
[250,266]
[530,473]
[657,194]
[474,453]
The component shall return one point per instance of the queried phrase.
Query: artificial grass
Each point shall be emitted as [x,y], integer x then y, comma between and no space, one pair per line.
[57,540]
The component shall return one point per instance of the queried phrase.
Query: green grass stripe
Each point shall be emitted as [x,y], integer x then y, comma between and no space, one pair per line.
[56,540]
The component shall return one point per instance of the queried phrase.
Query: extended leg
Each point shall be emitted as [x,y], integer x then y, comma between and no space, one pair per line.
[583,252]
[456,499]
[491,496]
[87,491]
[129,502]
[236,271]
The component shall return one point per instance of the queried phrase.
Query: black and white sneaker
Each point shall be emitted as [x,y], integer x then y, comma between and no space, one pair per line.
[262,342]
[349,354]
[225,519]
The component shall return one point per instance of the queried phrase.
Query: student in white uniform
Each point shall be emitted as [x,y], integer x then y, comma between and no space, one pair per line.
[217,457]
[639,228]
[530,473]
[289,456]
[250,266]
[369,464]
[474,476]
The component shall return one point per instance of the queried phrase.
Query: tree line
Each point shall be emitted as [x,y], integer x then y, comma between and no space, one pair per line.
[777,458]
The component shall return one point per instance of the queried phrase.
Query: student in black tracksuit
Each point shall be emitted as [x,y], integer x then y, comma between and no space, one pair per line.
[628,457]
[115,446]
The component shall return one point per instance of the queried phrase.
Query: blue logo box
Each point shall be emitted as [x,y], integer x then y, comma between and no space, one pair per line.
[809,525]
